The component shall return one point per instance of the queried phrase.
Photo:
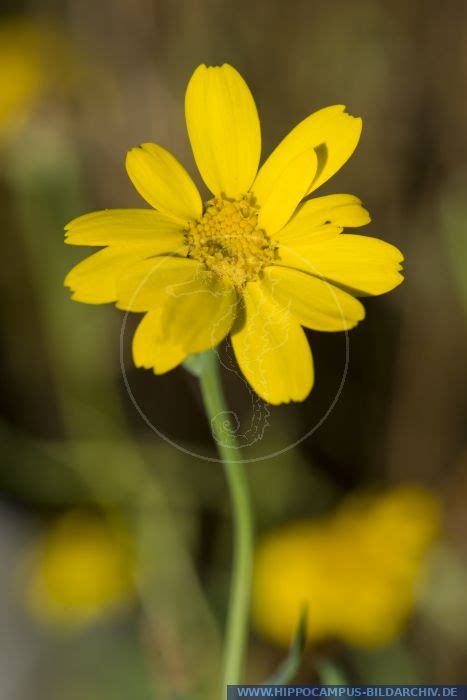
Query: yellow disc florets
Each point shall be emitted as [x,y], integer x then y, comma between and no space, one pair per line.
[228,241]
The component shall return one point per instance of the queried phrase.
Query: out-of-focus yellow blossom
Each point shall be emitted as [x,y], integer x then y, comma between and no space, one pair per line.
[32,58]
[82,570]
[357,570]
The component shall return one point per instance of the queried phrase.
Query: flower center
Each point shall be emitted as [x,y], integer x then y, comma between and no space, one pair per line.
[228,241]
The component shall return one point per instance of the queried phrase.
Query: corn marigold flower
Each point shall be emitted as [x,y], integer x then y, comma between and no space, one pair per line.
[254,261]
[358,571]
[80,571]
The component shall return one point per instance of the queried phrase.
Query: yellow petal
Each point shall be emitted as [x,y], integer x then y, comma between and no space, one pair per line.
[126,227]
[94,279]
[279,191]
[363,265]
[313,302]
[333,135]
[147,284]
[198,314]
[152,348]
[224,129]
[271,349]
[336,135]
[323,218]
[163,182]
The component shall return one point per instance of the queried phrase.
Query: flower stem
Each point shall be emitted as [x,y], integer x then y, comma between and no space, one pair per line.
[224,434]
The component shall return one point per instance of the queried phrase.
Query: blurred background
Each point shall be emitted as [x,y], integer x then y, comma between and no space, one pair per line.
[115,544]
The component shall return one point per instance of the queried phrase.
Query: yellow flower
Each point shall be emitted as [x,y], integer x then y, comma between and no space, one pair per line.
[357,571]
[81,571]
[32,56]
[255,261]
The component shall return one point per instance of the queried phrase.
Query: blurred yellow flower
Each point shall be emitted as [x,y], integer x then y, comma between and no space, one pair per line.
[32,57]
[255,261]
[82,570]
[357,570]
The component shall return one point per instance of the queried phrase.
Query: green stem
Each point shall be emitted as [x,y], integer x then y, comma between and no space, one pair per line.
[223,432]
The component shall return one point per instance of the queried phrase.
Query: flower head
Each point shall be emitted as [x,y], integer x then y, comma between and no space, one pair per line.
[81,571]
[255,261]
[357,570]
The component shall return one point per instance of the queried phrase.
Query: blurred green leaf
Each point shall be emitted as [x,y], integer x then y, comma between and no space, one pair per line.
[330,673]
[289,667]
